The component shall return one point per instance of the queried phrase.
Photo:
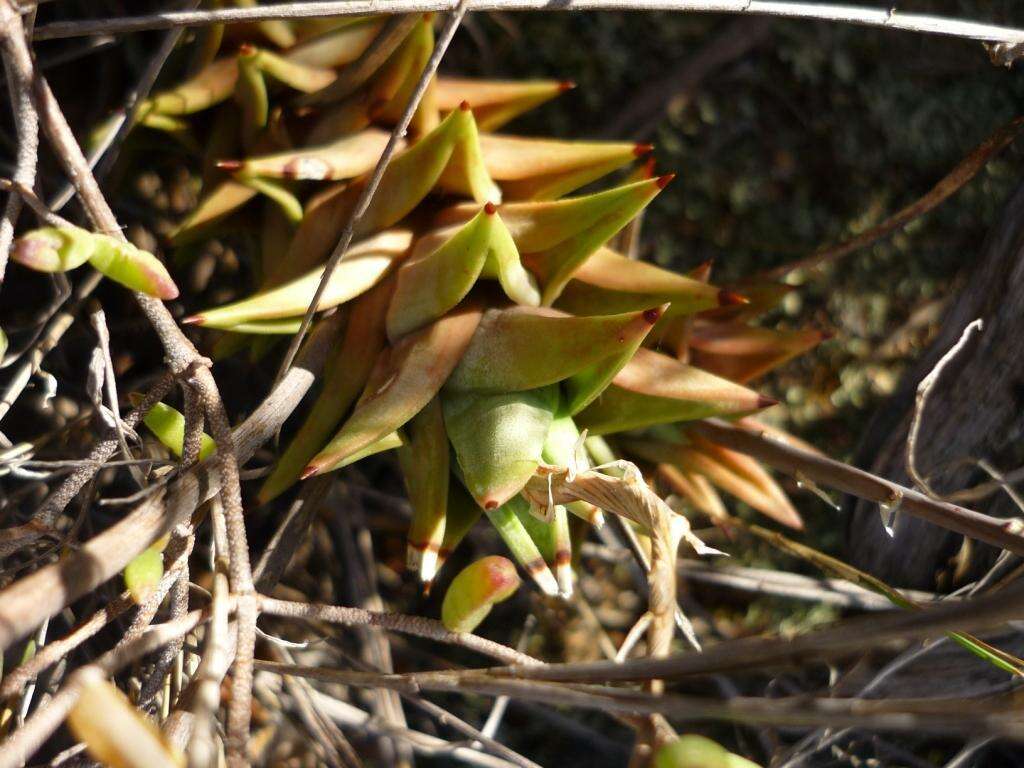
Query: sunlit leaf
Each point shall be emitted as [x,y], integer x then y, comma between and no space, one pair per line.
[657,389]
[345,376]
[364,265]
[210,86]
[496,102]
[406,377]
[461,515]
[168,425]
[744,352]
[498,439]
[477,588]
[524,348]
[507,521]
[114,732]
[143,574]
[57,249]
[698,752]
[226,197]
[424,460]
[408,179]
[338,46]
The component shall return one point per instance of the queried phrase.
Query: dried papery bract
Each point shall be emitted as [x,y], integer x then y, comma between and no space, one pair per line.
[114,732]
[477,588]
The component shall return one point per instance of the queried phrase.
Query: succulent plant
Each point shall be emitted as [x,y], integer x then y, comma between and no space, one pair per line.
[490,326]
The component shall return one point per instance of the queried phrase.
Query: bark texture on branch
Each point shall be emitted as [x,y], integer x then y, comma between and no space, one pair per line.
[975,411]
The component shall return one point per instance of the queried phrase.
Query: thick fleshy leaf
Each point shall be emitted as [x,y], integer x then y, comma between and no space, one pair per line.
[407,180]
[168,426]
[251,93]
[339,46]
[439,273]
[57,249]
[556,237]
[694,488]
[462,514]
[477,588]
[386,443]
[498,439]
[365,265]
[282,326]
[546,169]
[744,352]
[582,388]
[143,574]
[425,465]
[285,199]
[225,198]
[345,375]
[733,473]
[553,542]
[406,377]
[761,297]
[113,731]
[778,506]
[392,88]
[210,86]
[508,521]
[524,348]
[304,78]
[609,282]
[496,102]
[656,389]
[693,751]
[562,448]
[346,158]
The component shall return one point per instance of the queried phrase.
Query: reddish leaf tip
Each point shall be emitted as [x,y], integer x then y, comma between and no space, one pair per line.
[464,105]
[652,315]
[566,85]
[309,471]
[663,181]
[427,586]
[649,168]
[229,165]
[490,209]
[246,49]
[727,298]
[490,504]
[192,320]
[642,149]
[826,335]
[763,401]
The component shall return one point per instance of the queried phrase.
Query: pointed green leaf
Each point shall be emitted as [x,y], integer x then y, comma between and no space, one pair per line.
[506,521]
[498,439]
[528,347]
[225,198]
[609,282]
[424,459]
[657,389]
[461,515]
[345,375]
[693,751]
[286,201]
[496,102]
[143,574]
[336,47]
[365,264]
[477,588]
[408,179]
[546,169]
[345,158]
[210,86]
[168,425]
[405,378]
